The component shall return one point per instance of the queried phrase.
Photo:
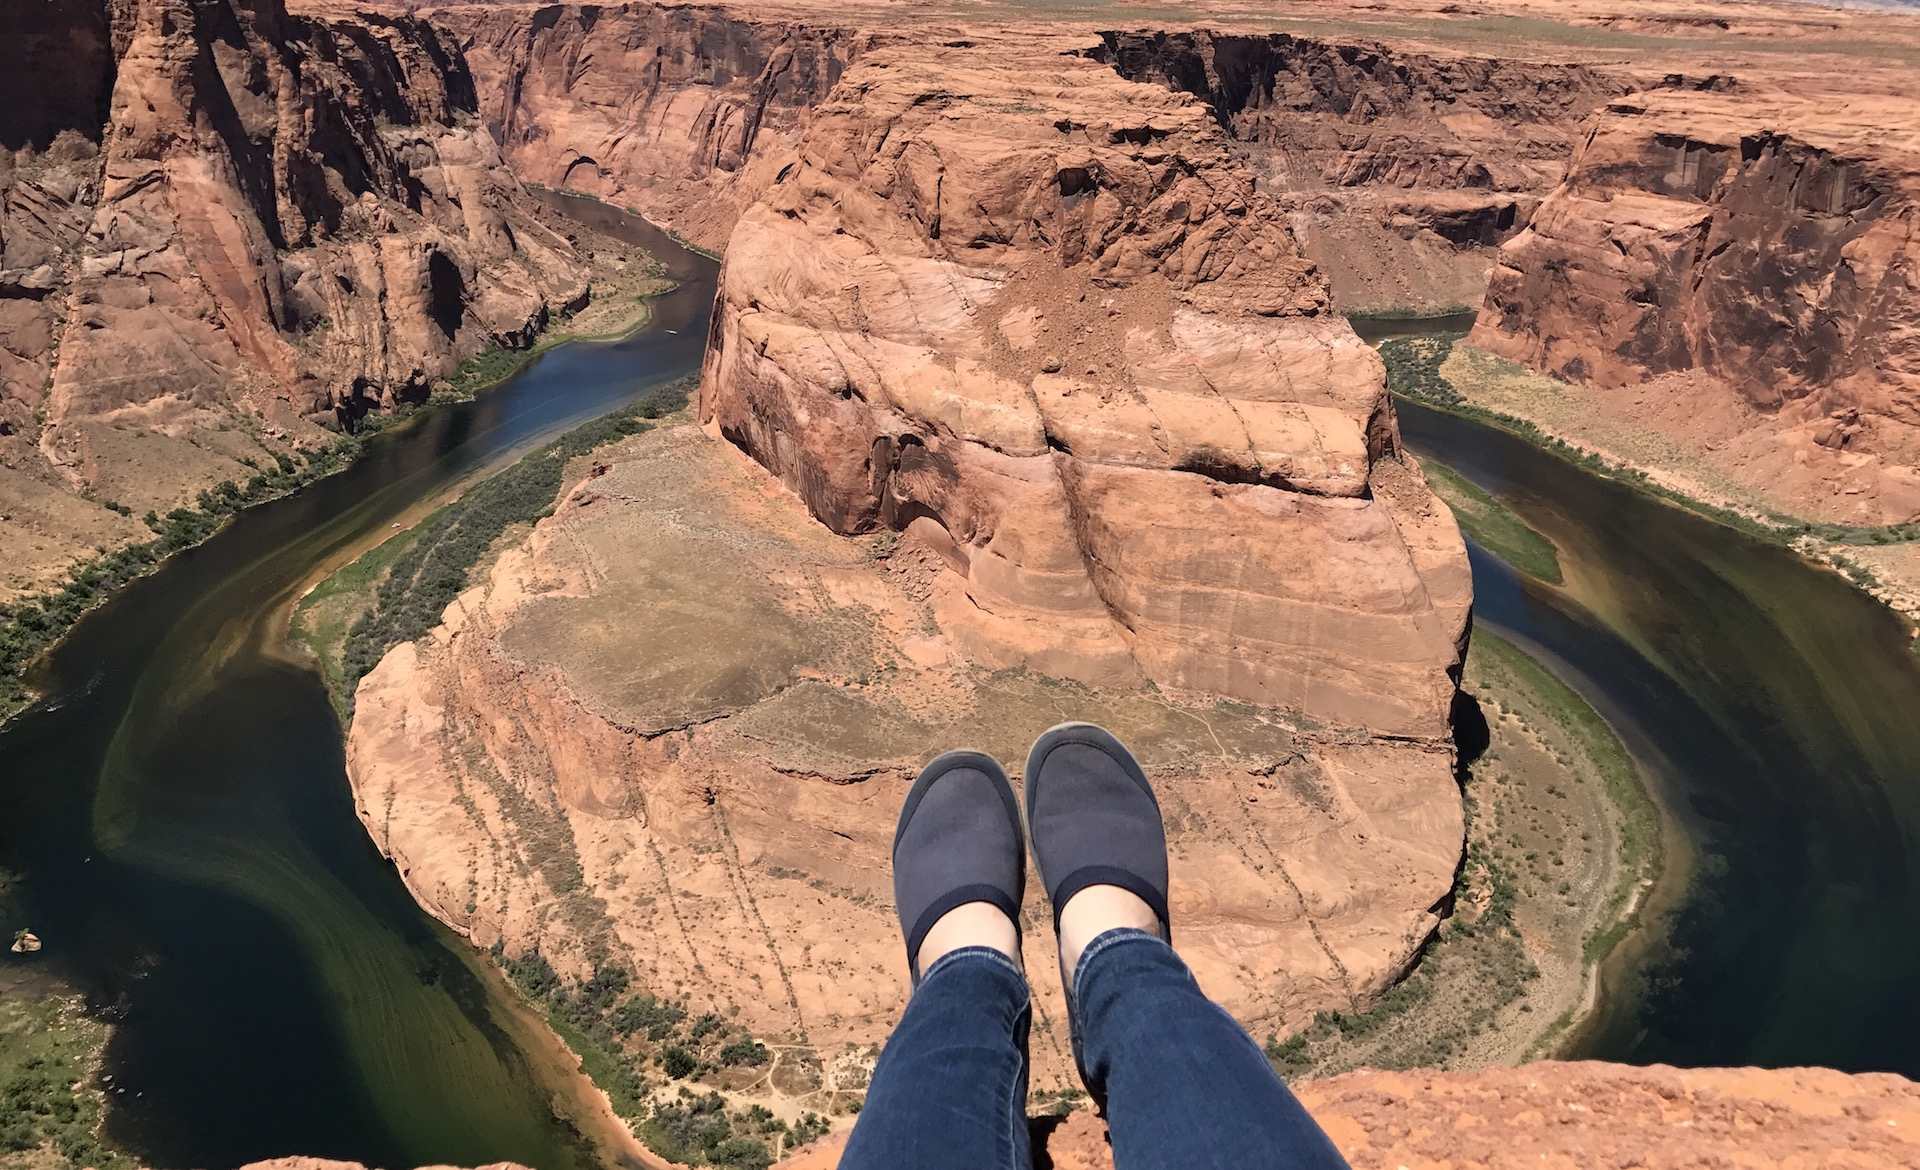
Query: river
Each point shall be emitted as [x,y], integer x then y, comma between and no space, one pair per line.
[1777,712]
[179,808]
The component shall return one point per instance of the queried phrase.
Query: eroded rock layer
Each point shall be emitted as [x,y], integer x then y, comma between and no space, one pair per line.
[1003,298]
[1400,168]
[1767,243]
[219,222]
[661,108]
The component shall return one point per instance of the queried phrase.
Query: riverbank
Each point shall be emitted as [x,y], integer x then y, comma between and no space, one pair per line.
[1561,840]
[397,590]
[1442,372]
[625,280]
[644,1052]
[51,1097]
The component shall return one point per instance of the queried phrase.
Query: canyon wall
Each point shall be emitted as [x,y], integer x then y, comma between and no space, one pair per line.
[1006,299]
[221,224]
[1400,169]
[664,109]
[1766,243]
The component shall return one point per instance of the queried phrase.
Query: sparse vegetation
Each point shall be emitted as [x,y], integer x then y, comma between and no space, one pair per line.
[1413,371]
[418,577]
[30,625]
[1493,525]
[1569,790]
[621,1033]
[50,1105]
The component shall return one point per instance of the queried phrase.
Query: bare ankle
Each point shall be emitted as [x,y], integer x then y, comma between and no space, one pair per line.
[971,924]
[1095,910]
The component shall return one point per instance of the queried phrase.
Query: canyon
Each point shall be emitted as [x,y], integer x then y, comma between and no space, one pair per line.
[967,515]
[1028,394]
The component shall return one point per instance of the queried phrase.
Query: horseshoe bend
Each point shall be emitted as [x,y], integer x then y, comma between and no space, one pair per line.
[1030,391]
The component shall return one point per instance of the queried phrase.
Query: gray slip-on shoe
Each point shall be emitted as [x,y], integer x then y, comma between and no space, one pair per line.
[1093,820]
[958,842]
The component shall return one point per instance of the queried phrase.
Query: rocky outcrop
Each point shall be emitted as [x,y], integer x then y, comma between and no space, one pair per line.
[1761,242]
[1034,313]
[671,731]
[1400,169]
[224,222]
[1063,425]
[1592,1116]
[665,109]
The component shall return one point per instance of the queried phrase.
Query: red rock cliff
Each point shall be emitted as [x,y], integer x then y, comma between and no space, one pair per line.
[1764,241]
[1035,314]
[660,108]
[216,212]
[1399,167]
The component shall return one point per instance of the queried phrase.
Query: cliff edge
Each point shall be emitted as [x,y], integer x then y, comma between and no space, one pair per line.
[1556,1116]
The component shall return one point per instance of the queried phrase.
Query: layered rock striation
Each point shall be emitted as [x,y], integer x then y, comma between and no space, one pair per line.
[221,224]
[661,108]
[1765,244]
[1048,418]
[1400,168]
[1034,314]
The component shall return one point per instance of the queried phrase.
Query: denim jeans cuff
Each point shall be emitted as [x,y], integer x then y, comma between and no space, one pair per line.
[973,954]
[1103,942]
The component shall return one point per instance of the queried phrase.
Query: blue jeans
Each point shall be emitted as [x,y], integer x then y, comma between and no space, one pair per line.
[1183,1086]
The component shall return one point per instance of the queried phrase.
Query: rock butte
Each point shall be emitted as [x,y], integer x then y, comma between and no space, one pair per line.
[675,726]
[1211,543]
[1558,1116]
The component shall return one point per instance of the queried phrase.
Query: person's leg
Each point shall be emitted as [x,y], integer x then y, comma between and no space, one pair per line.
[1182,1084]
[950,1090]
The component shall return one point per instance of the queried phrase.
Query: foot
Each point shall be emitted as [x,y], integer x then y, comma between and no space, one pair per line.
[959,867]
[1097,837]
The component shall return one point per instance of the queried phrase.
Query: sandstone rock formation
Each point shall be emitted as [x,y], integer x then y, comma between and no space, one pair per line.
[220,222]
[1585,1116]
[673,729]
[1399,168]
[1764,244]
[1557,1116]
[1031,336]
[1006,300]
[669,110]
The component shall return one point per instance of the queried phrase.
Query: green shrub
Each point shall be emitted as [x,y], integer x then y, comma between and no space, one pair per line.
[678,1062]
[745,1050]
